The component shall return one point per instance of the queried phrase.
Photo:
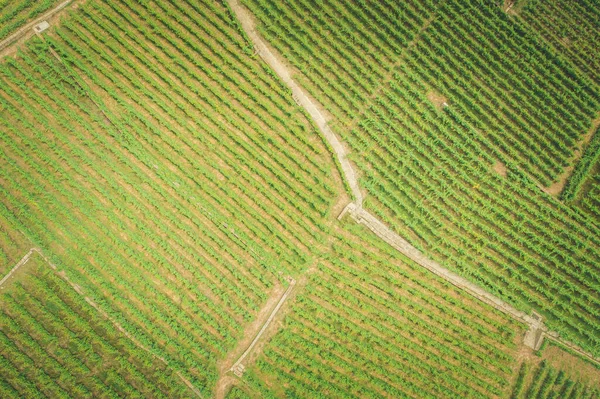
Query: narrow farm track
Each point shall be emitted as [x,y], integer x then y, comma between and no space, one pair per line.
[238,367]
[19,264]
[265,326]
[93,304]
[299,96]
[27,28]
[537,330]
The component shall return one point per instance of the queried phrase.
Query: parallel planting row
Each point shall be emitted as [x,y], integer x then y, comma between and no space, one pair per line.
[164,169]
[12,246]
[428,168]
[587,165]
[571,27]
[54,344]
[14,14]
[508,85]
[368,324]
[545,382]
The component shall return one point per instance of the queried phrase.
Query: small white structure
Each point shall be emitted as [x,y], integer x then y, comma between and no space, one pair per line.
[42,26]
[238,370]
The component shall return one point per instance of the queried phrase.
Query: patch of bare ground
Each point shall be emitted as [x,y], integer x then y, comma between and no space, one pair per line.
[438,100]
[500,168]
[577,368]
[557,187]
[565,41]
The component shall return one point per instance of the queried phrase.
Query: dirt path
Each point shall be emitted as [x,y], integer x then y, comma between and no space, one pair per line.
[22,262]
[300,97]
[537,330]
[264,327]
[225,379]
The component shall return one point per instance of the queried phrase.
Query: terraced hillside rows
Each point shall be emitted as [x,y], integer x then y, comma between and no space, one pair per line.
[164,169]
[370,324]
[54,344]
[453,140]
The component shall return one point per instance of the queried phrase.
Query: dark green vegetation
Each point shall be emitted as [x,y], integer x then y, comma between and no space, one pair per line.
[545,382]
[571,28]
[586,168]
[384,71]
[54,344]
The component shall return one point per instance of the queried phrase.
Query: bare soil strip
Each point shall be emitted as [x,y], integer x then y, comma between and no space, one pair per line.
[264,327]
[118,326]
[537,329]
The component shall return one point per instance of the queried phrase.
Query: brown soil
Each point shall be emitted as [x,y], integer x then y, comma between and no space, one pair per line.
[513,7]
[500,168]
[437,99]
[565,41]
[557,187]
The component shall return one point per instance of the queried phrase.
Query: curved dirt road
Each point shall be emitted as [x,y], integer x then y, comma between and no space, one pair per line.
[537,329]
[300,97]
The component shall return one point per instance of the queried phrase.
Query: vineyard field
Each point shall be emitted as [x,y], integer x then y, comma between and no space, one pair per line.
[14,14]
[244,199]
[54,344]
[370,324]
[541,379]
[430,117]
[571,27]
[161,172]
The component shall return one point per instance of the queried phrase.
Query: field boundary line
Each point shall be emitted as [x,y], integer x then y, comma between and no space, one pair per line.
[23,30]
[537,330]
[245,19]
[236,366]
[93,304]
[22,262]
